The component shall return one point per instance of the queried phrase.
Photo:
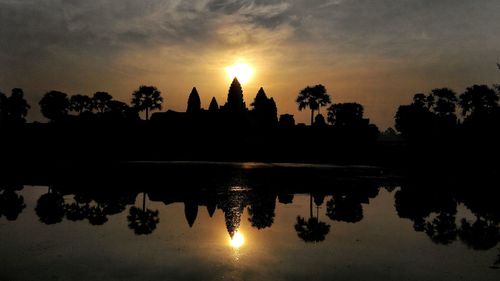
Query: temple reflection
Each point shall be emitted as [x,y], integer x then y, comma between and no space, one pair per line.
[431,206]
[237,240]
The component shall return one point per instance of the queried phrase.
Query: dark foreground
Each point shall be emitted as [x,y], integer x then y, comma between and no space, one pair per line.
[249,221]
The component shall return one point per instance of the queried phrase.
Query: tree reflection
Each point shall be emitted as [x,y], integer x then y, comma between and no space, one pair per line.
[312,230]
[97,215]
[261,210]
[143,221]
[11,204]
[50,207]
[442,229]
[479,235]
[344,208]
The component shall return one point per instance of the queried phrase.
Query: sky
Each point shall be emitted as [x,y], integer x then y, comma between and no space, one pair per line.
[374,52]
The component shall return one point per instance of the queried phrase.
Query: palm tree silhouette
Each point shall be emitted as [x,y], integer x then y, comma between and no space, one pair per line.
[142,221]
[313,98]
[147,98]
[312,230]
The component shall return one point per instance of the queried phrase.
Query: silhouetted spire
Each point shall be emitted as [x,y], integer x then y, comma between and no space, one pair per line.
[214,106]
[194,103]
[191,211]
[264,110]
[235,102]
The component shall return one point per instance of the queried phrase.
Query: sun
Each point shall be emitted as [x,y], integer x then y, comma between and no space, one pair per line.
[242,71]
[237,240]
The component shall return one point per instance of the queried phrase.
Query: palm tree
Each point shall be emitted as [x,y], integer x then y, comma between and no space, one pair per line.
[147,98]
[313,98]
[312,230]
[142,221]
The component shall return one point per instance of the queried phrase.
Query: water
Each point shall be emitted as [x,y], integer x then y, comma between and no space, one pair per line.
[365,230]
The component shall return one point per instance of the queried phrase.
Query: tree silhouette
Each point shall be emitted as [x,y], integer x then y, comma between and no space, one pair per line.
[312,230]
[80,103]
[345,114]
[423,101]
[214,106]
[142,221]
[344,208]
[482,234]
[96,215]
[3,108]
[415,121]
[478,100]
[444,101]
[16,107]
[442,229]
[235,102]
[264,110]
[100,101]
[147,98]
[313,98]
[194,103]
[76,211]
[54,105]
[261,210]
[119,111]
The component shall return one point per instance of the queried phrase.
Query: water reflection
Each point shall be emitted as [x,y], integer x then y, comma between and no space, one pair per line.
[441,211]
[11,203]
[237,240]
[312,229]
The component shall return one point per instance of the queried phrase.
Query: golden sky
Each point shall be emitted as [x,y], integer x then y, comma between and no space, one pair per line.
[377,53]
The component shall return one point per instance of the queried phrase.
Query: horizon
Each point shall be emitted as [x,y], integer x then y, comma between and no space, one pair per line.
[376,54]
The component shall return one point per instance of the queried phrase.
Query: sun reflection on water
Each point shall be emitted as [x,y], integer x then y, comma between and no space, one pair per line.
[237,241]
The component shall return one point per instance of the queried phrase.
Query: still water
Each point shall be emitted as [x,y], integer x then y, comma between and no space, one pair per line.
[365,230]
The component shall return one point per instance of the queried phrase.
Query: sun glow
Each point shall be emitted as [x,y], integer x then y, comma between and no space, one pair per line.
[242,71]
[237,241]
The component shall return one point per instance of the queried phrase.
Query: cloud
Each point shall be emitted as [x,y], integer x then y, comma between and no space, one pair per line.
[43,42]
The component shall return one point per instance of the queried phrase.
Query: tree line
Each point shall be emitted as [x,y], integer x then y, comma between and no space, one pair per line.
[59,107]
[439,113]
[442,113]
